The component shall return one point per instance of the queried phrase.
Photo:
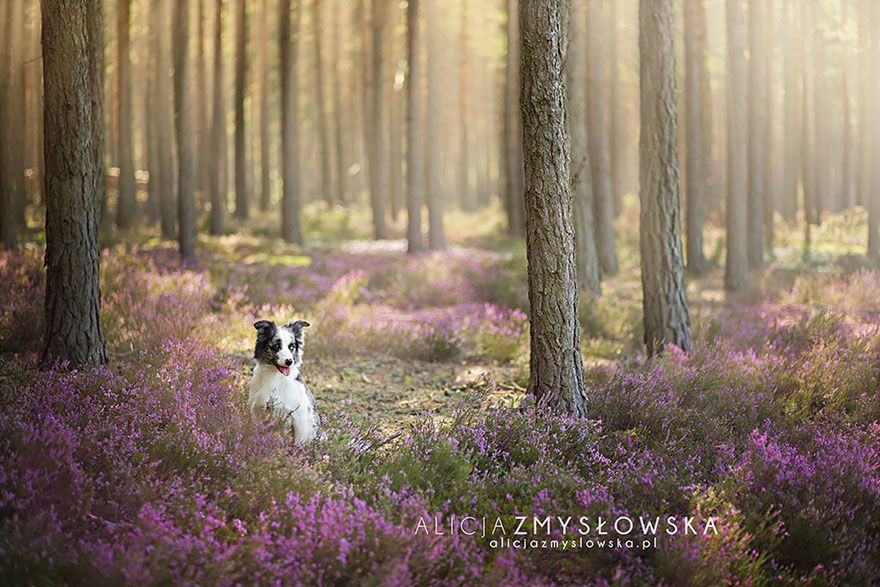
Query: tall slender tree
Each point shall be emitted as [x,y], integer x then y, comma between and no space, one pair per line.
[415,171]
[8,225]
[872,184]
[126,206]
[165,128]
[600,149]
[218,130]
[183,115]
[757,124]
[808,176]
[327,190]
[736,270]
[468,196]
[242,187]
[513,157]
[265,114]
[339,112]
[433,136]
[618,126]
[74,181]
[664,301]
[792,148]
[695,69]
[379,168]
[288,29]
[586,257]
[556,376]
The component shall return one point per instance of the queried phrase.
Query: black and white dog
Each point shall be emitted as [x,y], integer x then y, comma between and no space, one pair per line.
[277,386]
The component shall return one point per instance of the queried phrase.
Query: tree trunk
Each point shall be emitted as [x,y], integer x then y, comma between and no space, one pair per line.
[321,111]
[17,129]
[600,154]
[165,129]
[265,145]
[74,182]
[664,301]
[757,123]
[468,196]
[290,198]
[436,238]
[556,367]
[205,132]
[127,203]
[242,193]
[695,69]
[618,129]
[872,193]
[514,155]
[736,272]
[769,200]
[808,140]
[586,257]
[183,114]
[792,148]
[379,168]
[415,171]
[341,125]
[8,225]
[218,131]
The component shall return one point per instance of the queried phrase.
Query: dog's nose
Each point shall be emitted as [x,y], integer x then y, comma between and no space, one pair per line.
[288,362]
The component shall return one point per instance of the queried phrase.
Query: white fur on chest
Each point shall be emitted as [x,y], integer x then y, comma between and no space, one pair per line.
[288,399]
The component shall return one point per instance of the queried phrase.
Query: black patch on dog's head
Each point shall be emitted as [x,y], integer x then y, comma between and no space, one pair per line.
[266,334]
[296,329]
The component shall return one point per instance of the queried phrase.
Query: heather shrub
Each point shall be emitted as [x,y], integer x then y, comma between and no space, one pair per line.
[144,305]
[498,333]
[822,483]
[21,308]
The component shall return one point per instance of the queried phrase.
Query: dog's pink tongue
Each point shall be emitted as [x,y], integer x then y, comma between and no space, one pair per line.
[284,370]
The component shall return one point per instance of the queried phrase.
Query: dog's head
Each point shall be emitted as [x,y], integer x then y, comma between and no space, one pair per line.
[280,347]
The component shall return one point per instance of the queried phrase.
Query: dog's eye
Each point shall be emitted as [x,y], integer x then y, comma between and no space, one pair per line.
[290,346]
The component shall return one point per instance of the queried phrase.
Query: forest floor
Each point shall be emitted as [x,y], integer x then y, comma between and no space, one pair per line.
[390,386]
[154,471]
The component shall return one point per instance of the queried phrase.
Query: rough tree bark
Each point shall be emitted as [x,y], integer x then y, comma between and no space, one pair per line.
[290,198]
[586,257]
[242,189]
[436,238]
[218,131]
[415,171]
[664,302]
[183,115]
[757,123]
[74,181]
[736,270]
[695,70]
[556,368]
[600,149]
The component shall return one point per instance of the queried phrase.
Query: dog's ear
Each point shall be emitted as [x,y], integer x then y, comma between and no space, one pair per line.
[298,325]
[263,325]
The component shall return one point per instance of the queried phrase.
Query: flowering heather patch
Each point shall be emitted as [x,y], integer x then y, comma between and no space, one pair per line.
[153,471]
